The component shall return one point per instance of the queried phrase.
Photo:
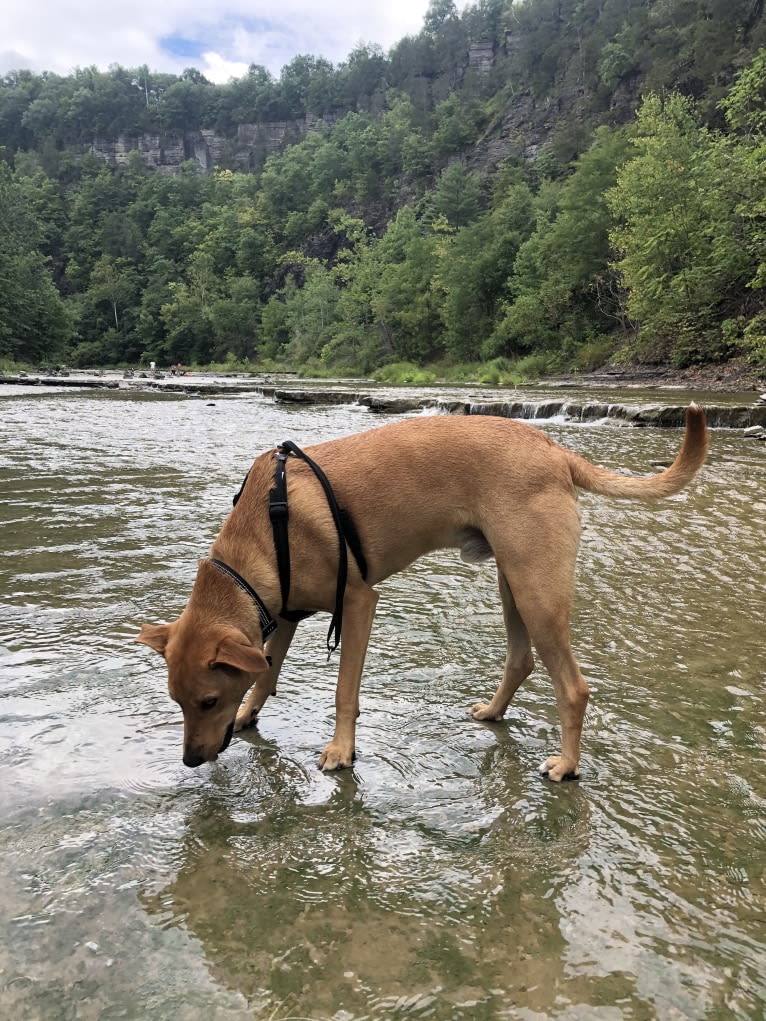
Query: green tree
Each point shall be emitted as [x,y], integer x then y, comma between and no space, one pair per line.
[405,304]
[456,196]
[357,337]
[562,290]
[161,275]
[362,77]
[679,255]
[34,323]
[234,318]
[112,291]
[275,331]
[457,124]
[189,334]
[475,267]
[745,110]
[311,311]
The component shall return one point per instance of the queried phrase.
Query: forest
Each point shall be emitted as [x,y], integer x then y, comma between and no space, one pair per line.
[595,191]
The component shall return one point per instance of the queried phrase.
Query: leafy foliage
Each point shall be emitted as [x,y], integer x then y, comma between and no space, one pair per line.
[430,207]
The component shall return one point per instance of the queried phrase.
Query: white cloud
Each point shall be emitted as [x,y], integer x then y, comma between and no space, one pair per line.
[226,36]
[219,70]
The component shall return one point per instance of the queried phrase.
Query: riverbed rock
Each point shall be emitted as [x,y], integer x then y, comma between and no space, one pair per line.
[314,397]
[736,417]
[392,405]
[500,408]
[593,411]
[397,401]
[454,407]
[573,411]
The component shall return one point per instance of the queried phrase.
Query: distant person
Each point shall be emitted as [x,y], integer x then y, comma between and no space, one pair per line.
[152,366]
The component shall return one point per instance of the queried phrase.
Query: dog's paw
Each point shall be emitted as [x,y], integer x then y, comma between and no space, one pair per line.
[335,757]
[482,712]
[558,768]
[245,720]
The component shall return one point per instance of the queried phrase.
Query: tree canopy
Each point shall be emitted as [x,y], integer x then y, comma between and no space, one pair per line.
[597,185]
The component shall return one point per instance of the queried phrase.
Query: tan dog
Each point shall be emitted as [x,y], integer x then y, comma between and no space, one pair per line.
[489,486]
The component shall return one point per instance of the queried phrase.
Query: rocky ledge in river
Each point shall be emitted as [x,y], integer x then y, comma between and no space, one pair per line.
[657,415]
[750,417]
[758,431]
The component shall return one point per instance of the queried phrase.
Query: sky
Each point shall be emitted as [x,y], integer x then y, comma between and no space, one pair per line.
[219,38]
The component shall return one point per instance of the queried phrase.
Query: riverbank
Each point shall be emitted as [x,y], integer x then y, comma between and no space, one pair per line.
[732,398]
[735,376]
[729,377]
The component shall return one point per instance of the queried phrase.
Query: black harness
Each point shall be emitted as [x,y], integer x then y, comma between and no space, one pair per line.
[348,538]
[268,624]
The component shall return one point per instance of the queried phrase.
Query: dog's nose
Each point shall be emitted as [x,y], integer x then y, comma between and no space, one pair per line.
[193,759]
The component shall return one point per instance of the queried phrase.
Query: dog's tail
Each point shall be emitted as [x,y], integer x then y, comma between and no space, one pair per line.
[690,459]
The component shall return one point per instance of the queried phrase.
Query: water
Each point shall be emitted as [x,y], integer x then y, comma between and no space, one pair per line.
[441,878]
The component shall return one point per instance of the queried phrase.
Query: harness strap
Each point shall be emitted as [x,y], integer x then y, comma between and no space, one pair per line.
[237,495]
[354,542]
[279,517]
[344,527]
[268,624]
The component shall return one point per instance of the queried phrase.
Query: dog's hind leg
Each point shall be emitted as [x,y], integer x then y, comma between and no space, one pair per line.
[537,557]
[358,614]
[571,697]
[519,661]
[544,597]
[266,683]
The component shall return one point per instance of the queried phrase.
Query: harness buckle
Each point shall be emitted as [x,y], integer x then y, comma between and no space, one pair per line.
[278,509]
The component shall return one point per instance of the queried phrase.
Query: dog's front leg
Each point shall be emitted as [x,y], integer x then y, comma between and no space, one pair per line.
[358,614]
[266,683]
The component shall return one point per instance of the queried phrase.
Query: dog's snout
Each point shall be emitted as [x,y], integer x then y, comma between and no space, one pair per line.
[195,756]
[193,759]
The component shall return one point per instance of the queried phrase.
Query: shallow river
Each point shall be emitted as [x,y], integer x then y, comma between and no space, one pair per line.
[441,878]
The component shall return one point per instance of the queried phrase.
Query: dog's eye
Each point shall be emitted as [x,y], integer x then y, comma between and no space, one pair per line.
[208,703]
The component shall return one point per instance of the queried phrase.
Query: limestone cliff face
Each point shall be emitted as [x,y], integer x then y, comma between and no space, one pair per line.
[166,152]
[525,127]
[519,131]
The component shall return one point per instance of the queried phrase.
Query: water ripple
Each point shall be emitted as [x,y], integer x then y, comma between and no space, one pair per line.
[441,877]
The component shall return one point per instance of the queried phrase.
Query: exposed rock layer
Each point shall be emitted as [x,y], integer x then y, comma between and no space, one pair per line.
[737,416]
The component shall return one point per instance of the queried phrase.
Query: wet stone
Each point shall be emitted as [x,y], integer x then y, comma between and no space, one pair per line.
[393,405]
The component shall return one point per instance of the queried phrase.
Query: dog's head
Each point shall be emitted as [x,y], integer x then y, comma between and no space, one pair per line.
[210,667]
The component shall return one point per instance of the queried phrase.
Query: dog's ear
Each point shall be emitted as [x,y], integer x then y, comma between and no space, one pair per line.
[155,636]
[241,655]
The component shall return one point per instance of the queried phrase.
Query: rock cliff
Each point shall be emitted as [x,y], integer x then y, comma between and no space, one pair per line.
[165,153]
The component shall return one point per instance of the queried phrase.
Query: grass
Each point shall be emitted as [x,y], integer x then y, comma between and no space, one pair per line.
[404,374]
[496,372]
[8,367]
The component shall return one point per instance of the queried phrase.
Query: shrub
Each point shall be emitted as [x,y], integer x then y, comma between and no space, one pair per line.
[592,354]
[755,339]
[535,365]
[403,373]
